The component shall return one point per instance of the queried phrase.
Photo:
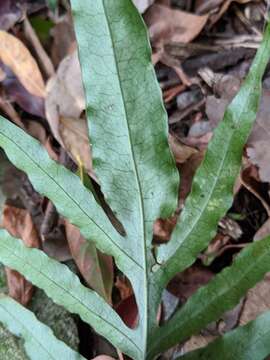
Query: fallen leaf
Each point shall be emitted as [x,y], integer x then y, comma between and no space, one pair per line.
[128,311]
[257,301]
[74,134]
[19,224]
[185,284]
[124,287]
[64,105]
[258,143]
[16,92]
[63,45]
[180,151]
[214,18]
[263,231]
[142,5]
[170,25]
[15,55]
[10,13]
[95,267]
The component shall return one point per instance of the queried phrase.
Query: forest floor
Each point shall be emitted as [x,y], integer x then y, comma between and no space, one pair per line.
[202,51]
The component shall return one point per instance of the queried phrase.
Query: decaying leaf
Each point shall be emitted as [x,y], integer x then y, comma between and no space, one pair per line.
[95,267]
[17,57]
[64,104]
[258,143]
[10,13]
[74,135]
[170,25]
[142,5]
[257,301]
[19,224]
[214,18]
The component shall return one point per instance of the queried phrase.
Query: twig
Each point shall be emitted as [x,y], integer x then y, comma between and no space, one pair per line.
[44,59]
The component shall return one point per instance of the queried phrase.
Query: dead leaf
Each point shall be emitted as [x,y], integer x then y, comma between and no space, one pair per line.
[258,143]
[214,18]
[19,224]
[63,45]
[17,92]
[170,25]
[180,151]
[263,231]
[10,13]
[17,57]
[74,134]
[257,301]
[95,267]
[185,284]
[142,5]
[128,311]
[124,287]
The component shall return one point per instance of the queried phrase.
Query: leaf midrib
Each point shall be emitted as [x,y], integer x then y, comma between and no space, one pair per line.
[134,164]
[197,218]
[116,329]
[161,334]
[73,200]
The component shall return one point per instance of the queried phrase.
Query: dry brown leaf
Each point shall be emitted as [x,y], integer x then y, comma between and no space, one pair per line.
[180,151]
[19,224]
[64,104]
[17,57]
[263,231]
[170,25]
[258,143]
[74,134]
[257,301]
[95,267]
[142,5]
[214,18]
[65,94]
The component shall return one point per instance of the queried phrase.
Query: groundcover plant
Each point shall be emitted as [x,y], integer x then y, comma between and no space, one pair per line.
[137,174]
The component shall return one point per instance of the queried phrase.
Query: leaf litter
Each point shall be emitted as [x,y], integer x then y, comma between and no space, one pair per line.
[201,52]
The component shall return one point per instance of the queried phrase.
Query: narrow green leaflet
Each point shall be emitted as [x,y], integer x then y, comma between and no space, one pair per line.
[128,130]
[65,289]
[212,188]
[65,189]
[248,342]
[211,301]
[39,340]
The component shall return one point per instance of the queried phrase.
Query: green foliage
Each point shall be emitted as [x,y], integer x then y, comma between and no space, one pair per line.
[39,341]
[131,156]
[249,342]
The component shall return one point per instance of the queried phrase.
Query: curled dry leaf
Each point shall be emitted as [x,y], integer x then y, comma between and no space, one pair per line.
[19,224]
[17,57]
[95,267]
[170,25]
